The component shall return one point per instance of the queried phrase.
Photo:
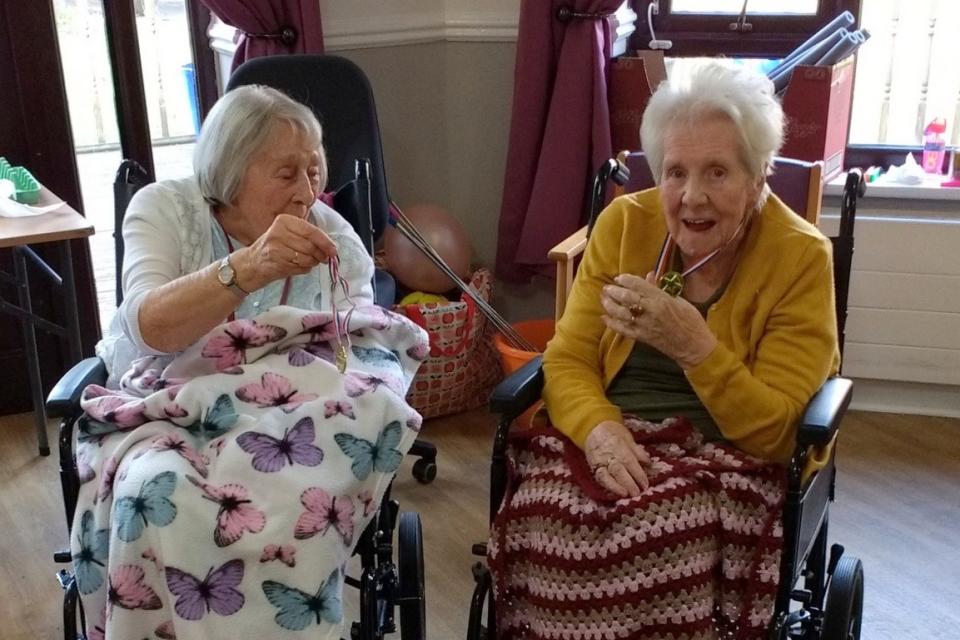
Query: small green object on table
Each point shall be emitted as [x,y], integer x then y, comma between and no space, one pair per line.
[27,189]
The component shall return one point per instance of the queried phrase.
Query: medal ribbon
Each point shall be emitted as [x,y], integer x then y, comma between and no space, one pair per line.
[672,281]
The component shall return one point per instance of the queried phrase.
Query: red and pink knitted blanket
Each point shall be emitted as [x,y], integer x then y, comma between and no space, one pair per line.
[695,556]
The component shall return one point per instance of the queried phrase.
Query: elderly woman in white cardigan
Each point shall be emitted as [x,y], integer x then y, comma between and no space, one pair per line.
[255,410]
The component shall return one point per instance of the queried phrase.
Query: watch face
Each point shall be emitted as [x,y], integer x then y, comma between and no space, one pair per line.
[225,274]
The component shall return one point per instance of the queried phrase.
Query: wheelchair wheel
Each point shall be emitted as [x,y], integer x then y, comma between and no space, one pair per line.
[424,471]
[413,614]
[844,608]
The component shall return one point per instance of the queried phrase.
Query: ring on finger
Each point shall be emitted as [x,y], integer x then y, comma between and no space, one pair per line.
[296,258]
[636,311]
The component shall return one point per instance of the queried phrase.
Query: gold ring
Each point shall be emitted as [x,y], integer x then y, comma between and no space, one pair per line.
[635,311]
[296,258]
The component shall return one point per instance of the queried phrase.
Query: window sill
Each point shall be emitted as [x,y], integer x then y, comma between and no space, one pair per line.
[930,189]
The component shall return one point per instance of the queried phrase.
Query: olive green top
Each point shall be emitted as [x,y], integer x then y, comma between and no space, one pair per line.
[653,387]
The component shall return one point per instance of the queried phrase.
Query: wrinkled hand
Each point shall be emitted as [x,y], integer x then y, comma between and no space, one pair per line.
[616,460]
[291,246]
[637,309]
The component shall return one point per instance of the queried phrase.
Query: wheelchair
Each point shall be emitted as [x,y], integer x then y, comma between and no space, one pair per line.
[384,584]
[820,590]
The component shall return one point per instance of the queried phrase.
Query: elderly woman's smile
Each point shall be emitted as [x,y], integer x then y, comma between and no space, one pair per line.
[706,189]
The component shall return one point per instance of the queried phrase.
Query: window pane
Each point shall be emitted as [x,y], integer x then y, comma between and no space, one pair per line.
[727,7]
[906,72]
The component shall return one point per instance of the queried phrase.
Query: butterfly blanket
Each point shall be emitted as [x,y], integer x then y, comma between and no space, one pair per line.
[225,489]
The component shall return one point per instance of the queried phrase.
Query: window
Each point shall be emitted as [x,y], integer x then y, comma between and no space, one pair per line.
[906,72]
[734,7]
[769,29]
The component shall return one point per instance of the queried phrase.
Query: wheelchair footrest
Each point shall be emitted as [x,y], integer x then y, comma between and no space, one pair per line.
[62,557]
[480,549]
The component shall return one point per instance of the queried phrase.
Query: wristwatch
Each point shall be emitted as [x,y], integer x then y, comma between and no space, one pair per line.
[228,277]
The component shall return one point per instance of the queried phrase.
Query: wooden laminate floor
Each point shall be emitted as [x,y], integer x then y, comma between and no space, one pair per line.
[898,509]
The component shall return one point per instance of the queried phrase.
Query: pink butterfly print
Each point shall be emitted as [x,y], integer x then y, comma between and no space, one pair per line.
[379,318]
[124,412]
[236,514]
[320,326]
[127,590]
[366,497]
[217,592]
[323,510]
[85,472]
[335,407]
[283,553]
[230,349]
[273,391]
[357,384]
[295,447]
[174,411]
[419,351]
[233,371]
[414,422]
[176,442]
[217,445]
[107,478]
[150,555]
[165,631]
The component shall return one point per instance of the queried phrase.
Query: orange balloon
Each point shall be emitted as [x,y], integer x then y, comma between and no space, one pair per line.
[441,230]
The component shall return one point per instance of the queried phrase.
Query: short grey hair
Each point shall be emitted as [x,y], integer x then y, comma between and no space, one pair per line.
[236,128]
[700,88]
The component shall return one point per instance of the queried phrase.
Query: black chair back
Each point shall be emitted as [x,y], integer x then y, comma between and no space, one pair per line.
[131,177]
[338,92]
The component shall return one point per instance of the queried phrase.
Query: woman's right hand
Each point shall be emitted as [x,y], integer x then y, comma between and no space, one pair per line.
[290,246]
[616,460]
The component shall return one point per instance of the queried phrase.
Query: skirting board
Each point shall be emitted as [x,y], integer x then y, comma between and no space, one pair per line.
[886,396]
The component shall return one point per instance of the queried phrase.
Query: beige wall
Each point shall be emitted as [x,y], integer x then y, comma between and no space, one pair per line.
[444,110]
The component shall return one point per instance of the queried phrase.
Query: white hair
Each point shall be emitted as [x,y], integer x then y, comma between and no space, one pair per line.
[236,128]
[701,88]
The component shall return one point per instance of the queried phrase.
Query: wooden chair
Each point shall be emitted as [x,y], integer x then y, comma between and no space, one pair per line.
[799,184]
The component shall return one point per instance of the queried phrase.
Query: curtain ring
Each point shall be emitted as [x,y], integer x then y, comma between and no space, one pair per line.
[566,14]
[286,35]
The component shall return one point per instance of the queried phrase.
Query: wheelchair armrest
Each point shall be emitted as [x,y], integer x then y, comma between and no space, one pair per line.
[64,398]
[519,390]
[824,412]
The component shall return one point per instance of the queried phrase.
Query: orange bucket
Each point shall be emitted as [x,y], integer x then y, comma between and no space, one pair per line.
[537,333]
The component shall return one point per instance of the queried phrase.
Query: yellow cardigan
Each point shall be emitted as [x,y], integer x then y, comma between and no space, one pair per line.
[775,325]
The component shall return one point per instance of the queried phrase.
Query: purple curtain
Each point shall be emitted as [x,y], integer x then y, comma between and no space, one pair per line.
[271,27]
[559,132]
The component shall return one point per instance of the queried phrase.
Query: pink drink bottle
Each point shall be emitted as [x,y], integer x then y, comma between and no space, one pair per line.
[934,145]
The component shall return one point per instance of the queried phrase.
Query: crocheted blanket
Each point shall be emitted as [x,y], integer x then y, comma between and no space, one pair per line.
[694,556]
[223,492]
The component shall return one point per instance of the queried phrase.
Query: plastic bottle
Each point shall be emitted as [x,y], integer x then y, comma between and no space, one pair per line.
[934,145]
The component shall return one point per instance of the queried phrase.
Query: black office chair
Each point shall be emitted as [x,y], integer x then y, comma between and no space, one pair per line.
[384,584]
[339,94]
[829,604]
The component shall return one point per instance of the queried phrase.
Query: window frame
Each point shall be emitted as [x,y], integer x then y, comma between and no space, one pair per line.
[772,35]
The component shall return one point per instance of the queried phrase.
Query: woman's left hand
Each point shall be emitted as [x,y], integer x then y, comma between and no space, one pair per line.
[637,309]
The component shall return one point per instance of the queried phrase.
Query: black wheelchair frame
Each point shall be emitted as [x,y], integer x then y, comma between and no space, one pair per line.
[828,604]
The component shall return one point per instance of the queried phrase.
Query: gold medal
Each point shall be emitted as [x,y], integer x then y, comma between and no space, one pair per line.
[671,283]
[341,358]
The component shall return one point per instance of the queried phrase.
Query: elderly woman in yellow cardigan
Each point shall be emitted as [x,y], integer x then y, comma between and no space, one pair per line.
[700,324]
